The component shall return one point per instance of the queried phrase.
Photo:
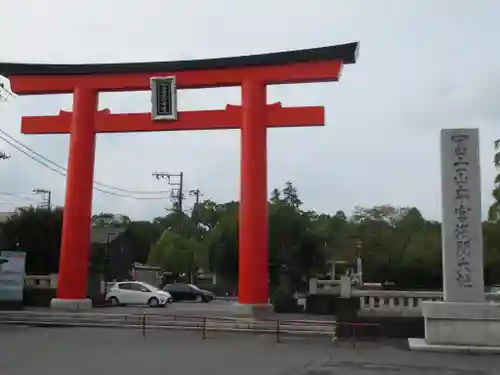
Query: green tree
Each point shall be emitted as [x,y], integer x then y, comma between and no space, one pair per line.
[36,231]
[275,196]
[290,195]
[296,250]
[178,222]
[396,243]
[494,210]
[491,233]
[221,240]
[178,254]
[108,219]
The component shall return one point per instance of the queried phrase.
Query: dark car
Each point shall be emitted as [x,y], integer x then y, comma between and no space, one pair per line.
[188,292]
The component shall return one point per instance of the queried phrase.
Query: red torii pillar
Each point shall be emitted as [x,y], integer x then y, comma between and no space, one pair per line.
[252,73]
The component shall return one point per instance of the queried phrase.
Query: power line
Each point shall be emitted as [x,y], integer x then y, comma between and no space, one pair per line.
[16,195]
[11,203]
[65,170]
[46,165]
[18,199]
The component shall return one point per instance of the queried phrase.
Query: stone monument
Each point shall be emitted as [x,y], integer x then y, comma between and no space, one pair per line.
[464,320]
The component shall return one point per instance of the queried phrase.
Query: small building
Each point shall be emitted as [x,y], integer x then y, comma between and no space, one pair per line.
[114,251]
[148,274]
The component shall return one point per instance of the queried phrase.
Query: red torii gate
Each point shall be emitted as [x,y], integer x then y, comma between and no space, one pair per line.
[254,116]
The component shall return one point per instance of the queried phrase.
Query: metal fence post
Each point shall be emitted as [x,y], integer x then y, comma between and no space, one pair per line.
[143,325]
[204,330]
[278,339]
[354,335]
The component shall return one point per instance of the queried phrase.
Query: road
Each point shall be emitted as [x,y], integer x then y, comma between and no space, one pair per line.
[83,351]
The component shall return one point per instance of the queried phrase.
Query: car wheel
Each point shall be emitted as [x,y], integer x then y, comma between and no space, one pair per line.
[114,301]
[199,298]
[153,302]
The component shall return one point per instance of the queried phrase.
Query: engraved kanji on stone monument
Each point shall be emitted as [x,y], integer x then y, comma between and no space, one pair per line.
[461,205]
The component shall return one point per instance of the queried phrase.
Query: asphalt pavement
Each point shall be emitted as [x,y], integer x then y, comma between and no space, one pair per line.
[83,351]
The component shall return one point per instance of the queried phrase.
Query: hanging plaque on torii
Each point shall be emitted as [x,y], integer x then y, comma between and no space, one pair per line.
[253,73]
[163,98]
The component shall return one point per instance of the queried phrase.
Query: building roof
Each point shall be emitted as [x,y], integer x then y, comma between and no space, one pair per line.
[345,52]
[139,266]
[103,235]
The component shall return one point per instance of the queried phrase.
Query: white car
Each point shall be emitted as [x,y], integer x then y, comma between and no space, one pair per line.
[137,293]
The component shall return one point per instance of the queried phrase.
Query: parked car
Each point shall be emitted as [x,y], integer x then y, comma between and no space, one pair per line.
[188,292]
[137,293]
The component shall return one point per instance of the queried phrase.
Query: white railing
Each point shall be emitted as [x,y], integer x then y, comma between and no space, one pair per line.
[393,303]
[400,303]
[319,286]
[382,302]
[41,281]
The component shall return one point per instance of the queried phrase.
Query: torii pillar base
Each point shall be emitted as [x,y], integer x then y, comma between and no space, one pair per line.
[71,304]
[254,311]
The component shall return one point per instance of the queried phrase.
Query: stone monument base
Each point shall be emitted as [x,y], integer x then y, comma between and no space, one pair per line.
[70,304]
[261,311]
[460,326]
[421,345]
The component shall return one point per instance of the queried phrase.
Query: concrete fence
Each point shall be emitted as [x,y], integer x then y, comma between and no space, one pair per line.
[41,281]
[50,282]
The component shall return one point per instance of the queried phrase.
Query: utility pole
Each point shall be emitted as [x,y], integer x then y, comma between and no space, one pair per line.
[197,194]
[178,187]
[47,197]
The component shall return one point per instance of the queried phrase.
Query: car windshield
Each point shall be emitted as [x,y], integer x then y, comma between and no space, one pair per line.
[194,287]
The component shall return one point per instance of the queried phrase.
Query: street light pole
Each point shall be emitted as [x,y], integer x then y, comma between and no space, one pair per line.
[106,266]
[359,262]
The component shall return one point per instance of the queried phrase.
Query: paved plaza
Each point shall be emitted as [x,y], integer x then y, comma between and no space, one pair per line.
[83,351]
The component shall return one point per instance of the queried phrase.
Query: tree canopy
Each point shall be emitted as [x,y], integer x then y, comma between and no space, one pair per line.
[397,244]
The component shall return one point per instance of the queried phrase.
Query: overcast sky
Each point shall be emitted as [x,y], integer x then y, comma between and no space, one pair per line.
[423,65]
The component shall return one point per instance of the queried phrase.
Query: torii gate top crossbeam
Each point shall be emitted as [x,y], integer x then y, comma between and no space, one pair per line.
[300,66]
